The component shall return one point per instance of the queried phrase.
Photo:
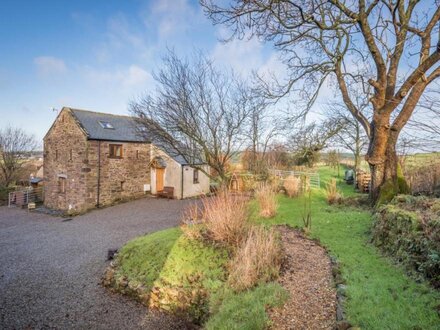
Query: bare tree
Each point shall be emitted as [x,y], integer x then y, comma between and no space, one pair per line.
[309,140]
[351,136]
[197,112]
[425,124]
[261,129]
[278,156]
[333,158]
[15,145]
[392,43]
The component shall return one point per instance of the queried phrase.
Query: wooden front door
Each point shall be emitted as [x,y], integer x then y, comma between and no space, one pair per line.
[159,178]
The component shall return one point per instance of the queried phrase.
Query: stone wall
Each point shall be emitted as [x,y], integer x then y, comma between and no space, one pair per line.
[120,179]
[65,156]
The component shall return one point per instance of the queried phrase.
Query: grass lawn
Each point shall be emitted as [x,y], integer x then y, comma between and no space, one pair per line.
[380,295]
[245,310]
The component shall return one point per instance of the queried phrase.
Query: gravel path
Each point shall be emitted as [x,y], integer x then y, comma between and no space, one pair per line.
[307,275]
[50,268]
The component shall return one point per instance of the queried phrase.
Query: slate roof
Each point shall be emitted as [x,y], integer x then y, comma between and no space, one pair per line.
[124,130]
[124,127]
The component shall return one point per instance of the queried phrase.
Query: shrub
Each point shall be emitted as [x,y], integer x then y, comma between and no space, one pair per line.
[408,229]
[249,182]
[423,177]
[267,200]
[225,218]
[257,260]
[332,193]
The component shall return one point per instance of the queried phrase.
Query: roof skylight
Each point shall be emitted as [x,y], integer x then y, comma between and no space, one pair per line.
[105,124]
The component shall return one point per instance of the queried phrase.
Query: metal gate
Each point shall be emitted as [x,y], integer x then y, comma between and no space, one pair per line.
[23,197]
[315,181]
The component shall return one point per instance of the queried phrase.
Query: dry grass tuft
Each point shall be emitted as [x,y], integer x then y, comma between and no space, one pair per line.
[225,217]
[276,184]
[332,193]
[267,200]
[292,185]
[257,260]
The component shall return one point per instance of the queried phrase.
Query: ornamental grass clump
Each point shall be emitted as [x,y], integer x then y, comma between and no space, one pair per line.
[225,218]
[332,193]
[267,200]
[292,185]
[257,260]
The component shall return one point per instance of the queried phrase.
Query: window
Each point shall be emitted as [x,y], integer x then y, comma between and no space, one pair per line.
[61,185]
[137,154]
[196,176]
[115,151]
[122,185]
[70,154]
[56,154]
[105,124]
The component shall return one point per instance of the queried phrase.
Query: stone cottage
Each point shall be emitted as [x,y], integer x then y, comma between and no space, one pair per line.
[93,159]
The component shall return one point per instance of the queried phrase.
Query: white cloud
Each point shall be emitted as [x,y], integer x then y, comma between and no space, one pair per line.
[121,34]
[243,56]
[273,67]
[175,17]
[133,77]
[136,76]
[123,40]
[49,66]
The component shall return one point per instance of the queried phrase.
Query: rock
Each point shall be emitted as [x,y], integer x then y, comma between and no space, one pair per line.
[339,312]
[343,325]
[122,282]
[108,278]
[341,289]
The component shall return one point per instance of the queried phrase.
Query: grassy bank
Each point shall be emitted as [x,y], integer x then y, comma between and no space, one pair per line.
[380,295]
[176,269]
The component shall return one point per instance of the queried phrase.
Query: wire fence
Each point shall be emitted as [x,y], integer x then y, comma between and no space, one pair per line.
[313,177]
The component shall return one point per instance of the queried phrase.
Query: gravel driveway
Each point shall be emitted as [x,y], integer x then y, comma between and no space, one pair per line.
[50,269]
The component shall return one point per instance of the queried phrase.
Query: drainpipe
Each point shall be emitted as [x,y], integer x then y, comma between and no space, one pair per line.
[99,174]
[181,184]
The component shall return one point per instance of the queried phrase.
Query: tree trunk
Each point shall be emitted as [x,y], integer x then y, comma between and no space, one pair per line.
[386,177]
[384,182]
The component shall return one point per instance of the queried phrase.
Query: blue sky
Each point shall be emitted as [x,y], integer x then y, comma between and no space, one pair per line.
[100,54]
